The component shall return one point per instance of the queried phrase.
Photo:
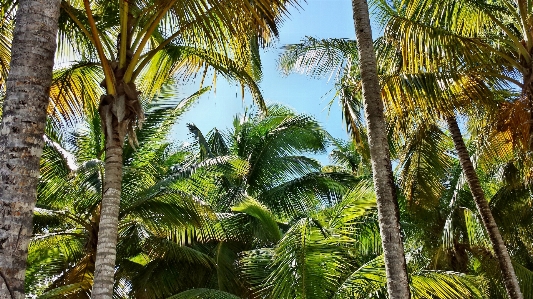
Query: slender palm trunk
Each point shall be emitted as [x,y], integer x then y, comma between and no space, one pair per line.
[107,234]
[108,228]
[508,274]
[388,211]
[118,113]
[21,135]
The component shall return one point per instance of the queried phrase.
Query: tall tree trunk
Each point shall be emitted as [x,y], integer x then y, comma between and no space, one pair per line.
[108,228]
[388,211]
[119,114]
[21,135]
[506,267]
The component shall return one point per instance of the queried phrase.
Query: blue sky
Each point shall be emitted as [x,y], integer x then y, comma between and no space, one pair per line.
[316,18]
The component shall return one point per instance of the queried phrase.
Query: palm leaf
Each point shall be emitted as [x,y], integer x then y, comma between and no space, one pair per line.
[204,294]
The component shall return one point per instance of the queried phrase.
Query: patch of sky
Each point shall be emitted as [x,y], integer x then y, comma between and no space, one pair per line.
[315,18]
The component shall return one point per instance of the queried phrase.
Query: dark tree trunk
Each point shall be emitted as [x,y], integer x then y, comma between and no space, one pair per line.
[21,135]
[504,261]
[389,220]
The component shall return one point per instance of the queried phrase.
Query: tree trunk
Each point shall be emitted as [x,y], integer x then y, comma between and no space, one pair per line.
[21,135]
[108,228]
[119,114]
[504,261]
[388,211]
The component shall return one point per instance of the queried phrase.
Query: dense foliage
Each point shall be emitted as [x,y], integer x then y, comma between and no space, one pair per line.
[249,211]
[244,213]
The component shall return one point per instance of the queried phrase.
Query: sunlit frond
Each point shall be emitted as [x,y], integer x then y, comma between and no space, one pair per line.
[204,294]
[75,91]
[7,21]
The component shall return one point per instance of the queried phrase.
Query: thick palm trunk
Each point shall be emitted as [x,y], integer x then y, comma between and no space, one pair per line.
[389,225]
[506,267]
[21,135]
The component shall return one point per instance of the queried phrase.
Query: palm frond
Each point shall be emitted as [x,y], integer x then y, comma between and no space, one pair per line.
[75,91]
[424,162]
[268,224]
[7,21]
[76,290]
[204,294]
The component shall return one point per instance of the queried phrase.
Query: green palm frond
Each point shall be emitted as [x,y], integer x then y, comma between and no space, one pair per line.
[265,161]
[203,146]
[446,285]
[318,58]
[164,210]
[75,91]
[268,224]
[204,294]
[75,290]
[7,21]
[194,59]
[254,266]
[354,204]
[167,269]
[313,252]
[214,17]
[218,143]
[459,30]
[476,233]
[335,58]
[55,161]
[525,279]
[228,277]
[304,265]
[70,33]
[348,155]
[302,194]
[424,164]
[352,223]
[52,256]
[160,116]
[369,281]
[170,251]
[262,179]
[493,148]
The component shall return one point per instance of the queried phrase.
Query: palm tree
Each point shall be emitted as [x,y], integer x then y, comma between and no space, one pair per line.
[23,122]
[267,153]
[63,250]
[337,253]
[498,245]
[389,222]
[499,51]
[412,98]
[334,252]
[152,266]
[143,39]
[258,178]
[444,231]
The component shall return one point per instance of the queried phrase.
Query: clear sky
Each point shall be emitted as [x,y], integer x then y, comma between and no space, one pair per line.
[316,18]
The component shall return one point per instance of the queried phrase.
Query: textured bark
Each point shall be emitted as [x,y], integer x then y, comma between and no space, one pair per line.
[21,135]
[388,211]
[119,114]
[504,261]
[108,228]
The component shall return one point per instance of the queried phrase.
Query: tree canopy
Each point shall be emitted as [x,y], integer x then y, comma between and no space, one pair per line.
[125,209]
